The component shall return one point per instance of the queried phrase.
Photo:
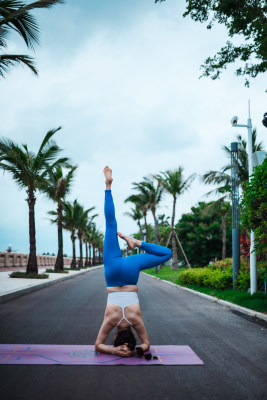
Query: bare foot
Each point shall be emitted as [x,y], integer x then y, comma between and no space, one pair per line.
[108,174]
[132,242]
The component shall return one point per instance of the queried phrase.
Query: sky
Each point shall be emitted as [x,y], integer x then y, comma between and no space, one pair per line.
[122,79]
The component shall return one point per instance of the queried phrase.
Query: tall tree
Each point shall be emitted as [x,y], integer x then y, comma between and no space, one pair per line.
[243,18]
[221,177]
[137,216]
[56,186]
[174,183]
[82,221]
[69,222]
[16,16]
[29,170]
[152,195]
[140,202]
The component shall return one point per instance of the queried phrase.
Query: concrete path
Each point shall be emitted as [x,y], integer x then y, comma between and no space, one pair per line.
[232,347]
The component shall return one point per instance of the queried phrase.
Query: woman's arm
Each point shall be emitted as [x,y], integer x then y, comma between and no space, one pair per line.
[102,336]
[143,336]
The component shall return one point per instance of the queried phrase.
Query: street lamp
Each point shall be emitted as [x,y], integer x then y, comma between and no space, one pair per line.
[253,271]
[235,212]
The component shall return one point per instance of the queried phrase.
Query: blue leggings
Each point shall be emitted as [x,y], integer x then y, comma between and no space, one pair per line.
[119,270]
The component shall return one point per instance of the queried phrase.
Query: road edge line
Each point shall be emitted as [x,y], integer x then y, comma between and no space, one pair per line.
[224,303]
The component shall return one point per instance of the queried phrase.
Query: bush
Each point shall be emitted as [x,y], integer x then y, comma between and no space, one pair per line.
[20,274]
[56,271]
[220,275]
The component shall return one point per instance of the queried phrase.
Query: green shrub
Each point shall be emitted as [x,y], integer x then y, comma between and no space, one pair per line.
[21,274]
[56,271]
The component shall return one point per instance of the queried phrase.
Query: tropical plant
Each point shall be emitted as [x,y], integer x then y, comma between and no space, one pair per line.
[137,216]
[152,196]
[222,178]
[81,225]
[29,170]
[140,202]
[56,186]
[69,222]
[174,183]
[15,15]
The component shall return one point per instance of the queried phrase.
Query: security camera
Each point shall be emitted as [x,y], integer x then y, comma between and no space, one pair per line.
[264,121]
[234,120]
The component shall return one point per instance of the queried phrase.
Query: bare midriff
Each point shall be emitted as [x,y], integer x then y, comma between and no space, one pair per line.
[126,288]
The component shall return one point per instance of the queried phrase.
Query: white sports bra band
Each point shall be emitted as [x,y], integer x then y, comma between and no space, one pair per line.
[123,300]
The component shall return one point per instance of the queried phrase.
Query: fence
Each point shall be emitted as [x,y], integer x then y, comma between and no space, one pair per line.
[20,260]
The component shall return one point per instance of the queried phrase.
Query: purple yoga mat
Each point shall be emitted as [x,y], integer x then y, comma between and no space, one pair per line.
[86,355]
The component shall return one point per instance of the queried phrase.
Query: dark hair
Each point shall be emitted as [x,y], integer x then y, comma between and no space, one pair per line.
[125,336]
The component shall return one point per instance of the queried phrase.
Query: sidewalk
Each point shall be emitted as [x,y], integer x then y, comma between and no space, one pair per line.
[11,288]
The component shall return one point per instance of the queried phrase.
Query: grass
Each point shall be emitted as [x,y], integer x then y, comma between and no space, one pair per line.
[20,274]
[257,301]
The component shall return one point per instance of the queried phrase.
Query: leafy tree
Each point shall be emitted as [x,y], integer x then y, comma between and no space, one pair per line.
[81,225]
[56,186]
[29,170]
[254,207]
[200,235]
[246,18]
[174,183]
[15,15]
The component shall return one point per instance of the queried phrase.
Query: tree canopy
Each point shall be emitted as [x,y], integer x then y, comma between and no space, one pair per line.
[246,18]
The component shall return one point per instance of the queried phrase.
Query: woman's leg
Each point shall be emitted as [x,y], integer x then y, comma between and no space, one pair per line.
[111,244]
[154,255]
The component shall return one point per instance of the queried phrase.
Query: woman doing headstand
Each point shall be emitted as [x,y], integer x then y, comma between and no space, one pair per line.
[121,274]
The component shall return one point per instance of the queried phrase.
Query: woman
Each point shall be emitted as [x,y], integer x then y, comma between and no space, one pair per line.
[121,274]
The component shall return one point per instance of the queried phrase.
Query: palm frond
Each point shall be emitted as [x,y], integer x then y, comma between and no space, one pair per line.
[8,60]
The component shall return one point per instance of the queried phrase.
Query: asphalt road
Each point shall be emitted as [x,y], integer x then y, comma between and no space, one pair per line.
[233,348]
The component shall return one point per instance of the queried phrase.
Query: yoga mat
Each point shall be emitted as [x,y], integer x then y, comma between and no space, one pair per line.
[86,355]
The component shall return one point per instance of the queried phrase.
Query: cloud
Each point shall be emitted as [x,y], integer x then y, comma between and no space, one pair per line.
[124,85]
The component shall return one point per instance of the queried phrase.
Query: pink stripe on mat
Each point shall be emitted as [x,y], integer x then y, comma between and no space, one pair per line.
[86,355]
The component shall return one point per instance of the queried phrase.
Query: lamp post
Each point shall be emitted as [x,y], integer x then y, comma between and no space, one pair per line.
[235,212]
[253,271]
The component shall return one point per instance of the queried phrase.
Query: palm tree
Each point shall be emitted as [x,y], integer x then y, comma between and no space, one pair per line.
[221,177]
[15,16]
[29,170]
[82,220]
[140,202]
[56,186]
[136,215]
[174,183]
[87,238]
[153,196]
[69,222]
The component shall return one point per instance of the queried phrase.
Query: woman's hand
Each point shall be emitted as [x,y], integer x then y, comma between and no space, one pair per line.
[123,351]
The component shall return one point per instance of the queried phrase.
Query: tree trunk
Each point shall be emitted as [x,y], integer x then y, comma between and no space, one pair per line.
[86,254]
[32,261]
[99,260]
[223,237]
[59,261]
[80,264]
[141,231]
[174,245]
[73,262]
[146,227]
[93,254]
[156,227]
[90,254]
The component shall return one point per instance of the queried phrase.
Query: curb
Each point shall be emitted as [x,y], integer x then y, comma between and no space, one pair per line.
[10,296]
[224,303]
